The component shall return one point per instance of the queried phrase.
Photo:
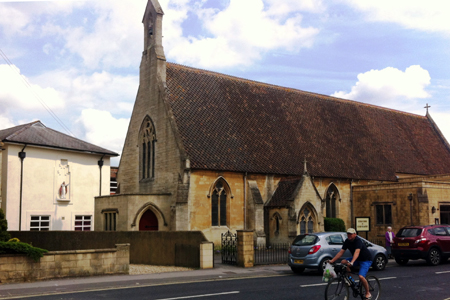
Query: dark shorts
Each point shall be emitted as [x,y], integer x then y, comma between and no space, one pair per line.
[363,266]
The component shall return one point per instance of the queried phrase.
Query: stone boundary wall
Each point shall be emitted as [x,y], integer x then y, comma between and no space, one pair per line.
[58,264]
[146,247]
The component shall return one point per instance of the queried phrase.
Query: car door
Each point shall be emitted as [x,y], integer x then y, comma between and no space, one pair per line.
[335,243]
[445,240]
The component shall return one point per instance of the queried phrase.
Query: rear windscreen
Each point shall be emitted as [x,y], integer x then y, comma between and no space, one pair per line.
[409,232]
[305,240]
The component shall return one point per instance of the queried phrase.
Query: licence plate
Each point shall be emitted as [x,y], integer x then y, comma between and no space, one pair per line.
[403,244]
[298,261]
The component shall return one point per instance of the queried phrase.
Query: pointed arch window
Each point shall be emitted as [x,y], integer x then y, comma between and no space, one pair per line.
[219,205]
[330,201]
[307,220]
[147,141]
[303,226]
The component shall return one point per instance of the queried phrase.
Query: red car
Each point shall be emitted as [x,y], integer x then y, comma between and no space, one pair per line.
[431,242]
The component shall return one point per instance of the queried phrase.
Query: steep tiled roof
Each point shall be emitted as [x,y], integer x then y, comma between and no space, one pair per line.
[37,134]
[229,123]
[284,192]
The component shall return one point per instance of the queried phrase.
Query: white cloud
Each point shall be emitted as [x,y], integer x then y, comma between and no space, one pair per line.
[116,38]
[390,87]
[238,35]
[12,21]
[97,90]
[285,7]
[23,19]
[442,119]
[432,15]
[104,130]
[5,122]
[16,94]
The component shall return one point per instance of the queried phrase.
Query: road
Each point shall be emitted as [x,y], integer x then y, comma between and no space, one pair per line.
[414,281]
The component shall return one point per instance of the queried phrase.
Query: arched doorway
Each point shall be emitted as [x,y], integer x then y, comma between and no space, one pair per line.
[148,222]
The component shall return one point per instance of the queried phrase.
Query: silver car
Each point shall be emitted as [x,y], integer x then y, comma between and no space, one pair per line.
[313,250]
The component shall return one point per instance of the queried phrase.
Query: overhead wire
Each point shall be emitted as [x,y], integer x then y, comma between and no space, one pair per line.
[30,88]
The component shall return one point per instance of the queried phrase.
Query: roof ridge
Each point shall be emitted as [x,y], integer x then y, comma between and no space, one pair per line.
[22,128]
[75,138]
[270,85]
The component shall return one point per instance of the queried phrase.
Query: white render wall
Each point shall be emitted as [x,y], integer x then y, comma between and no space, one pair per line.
[44,169]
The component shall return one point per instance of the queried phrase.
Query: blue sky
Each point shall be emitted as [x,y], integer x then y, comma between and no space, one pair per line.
[80,60]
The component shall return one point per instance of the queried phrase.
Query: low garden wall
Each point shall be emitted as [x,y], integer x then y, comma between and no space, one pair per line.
[72,263]
[167,248]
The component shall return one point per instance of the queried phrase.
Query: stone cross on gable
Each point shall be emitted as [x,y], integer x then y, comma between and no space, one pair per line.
[304,163]
[427,106]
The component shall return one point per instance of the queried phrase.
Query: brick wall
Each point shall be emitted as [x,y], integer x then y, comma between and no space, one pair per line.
[58,264]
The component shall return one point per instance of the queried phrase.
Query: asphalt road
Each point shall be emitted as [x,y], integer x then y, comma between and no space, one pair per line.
[414,281]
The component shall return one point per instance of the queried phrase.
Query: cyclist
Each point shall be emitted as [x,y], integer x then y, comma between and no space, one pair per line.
[361,257]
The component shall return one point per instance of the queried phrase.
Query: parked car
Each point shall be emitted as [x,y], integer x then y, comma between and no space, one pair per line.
[431,242]
[311,251]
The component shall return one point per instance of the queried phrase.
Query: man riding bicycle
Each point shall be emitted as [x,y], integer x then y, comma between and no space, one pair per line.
[361,257]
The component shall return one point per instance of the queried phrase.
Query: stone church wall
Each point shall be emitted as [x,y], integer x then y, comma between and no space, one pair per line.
[343,206]
[425,195]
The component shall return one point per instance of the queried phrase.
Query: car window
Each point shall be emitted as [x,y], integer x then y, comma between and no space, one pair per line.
[305,240]
[335,239]
[439,231]
[409,232]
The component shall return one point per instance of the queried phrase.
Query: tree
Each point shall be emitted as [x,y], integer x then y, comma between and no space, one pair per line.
[4,234]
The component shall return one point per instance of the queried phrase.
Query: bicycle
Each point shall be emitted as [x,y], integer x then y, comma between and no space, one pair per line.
[338,288]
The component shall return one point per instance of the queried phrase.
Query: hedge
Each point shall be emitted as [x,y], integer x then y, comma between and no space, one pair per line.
[334,224]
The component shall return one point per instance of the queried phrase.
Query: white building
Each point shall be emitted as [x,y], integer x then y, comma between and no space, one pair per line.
[48,180]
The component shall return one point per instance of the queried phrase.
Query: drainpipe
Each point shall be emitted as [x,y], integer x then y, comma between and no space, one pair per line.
[100,165]
[351,204]
[245,201]
[22,156]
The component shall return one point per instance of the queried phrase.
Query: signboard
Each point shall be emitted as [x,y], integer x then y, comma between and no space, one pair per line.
[362,224]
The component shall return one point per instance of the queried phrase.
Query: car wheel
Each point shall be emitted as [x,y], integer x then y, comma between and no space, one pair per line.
[297,270]
[434,257]
[379,263]
[401,261]
[321,267]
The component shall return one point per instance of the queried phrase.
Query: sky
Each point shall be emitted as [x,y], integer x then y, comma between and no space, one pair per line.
[74,65]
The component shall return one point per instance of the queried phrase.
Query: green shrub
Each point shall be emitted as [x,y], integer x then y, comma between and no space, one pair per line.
[4,235]
[22,248]
[334,224]
[14,240]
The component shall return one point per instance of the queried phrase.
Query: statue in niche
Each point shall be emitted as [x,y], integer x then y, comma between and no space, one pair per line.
[63,190]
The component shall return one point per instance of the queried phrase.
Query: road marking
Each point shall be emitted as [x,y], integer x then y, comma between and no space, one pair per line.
[385,278]
[204,295]
[5,297]
[443,273]
[319,284]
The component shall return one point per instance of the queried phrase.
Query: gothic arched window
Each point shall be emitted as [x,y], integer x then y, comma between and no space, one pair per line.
[147,139]
[303,226]
[219,205]
[307,220]
[330,201]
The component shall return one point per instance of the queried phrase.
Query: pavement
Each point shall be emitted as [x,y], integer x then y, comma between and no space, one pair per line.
[98,283]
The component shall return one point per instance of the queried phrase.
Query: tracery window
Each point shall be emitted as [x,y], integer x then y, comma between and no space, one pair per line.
[306,221]
[330,201]
[219,205]
[147,149]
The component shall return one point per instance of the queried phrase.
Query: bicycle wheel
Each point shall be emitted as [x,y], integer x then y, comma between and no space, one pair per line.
[336,289]
[374,287]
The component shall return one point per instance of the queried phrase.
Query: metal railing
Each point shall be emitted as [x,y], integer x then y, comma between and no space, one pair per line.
[271,254]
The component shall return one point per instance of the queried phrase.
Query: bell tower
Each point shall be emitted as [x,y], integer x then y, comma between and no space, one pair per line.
[153,62]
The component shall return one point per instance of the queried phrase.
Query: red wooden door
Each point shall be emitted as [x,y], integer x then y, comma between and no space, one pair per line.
[148,222]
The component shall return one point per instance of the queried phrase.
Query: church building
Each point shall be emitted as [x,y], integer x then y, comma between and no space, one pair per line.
[211,152]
